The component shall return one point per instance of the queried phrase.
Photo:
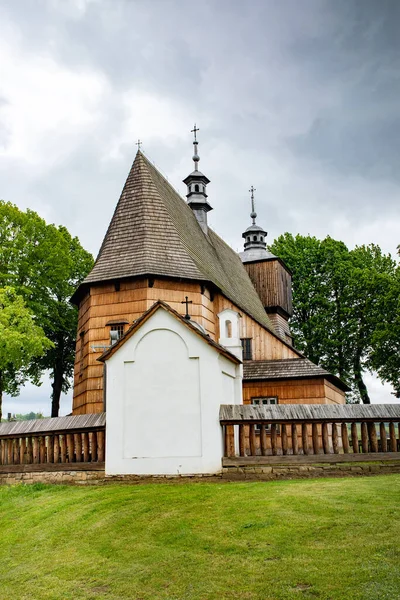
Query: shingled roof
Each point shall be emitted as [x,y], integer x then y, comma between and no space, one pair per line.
[294,368]
[154,232]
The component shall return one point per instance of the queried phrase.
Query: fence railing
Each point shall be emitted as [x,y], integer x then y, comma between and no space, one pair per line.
[309,430]
[63,440]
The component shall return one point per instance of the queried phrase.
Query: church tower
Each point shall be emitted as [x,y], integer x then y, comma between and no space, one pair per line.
[196,188]
[269,274]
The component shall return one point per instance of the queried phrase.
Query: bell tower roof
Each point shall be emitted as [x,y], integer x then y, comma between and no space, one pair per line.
[196,183]
[255,246]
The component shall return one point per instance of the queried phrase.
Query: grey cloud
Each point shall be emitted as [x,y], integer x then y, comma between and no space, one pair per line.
[299,99]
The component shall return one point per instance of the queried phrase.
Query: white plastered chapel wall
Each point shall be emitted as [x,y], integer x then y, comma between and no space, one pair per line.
[164,387]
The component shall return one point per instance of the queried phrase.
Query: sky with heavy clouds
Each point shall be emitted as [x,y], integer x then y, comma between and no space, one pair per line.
[298,98]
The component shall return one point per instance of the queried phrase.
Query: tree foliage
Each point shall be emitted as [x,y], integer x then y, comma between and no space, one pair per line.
[21,341]
[28,416]
[45,264]
[346,308]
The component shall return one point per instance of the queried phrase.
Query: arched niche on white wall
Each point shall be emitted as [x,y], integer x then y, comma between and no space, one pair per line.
[229,331]
[162,381]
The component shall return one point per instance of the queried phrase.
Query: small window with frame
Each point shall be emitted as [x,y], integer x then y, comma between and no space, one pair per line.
[119,328]
[247,348]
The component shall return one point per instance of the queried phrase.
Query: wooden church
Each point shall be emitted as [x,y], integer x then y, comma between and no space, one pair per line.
[173,323]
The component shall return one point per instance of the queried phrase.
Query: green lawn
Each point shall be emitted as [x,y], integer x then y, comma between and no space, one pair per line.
[328,539]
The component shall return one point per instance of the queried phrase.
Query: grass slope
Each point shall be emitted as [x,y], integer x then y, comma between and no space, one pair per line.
[327,539]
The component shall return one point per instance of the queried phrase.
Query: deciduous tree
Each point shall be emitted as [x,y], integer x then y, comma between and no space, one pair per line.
[21,341]
[45,264]
[343,303]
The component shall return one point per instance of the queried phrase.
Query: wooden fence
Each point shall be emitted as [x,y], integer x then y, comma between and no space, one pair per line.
[256,432]
[56,441]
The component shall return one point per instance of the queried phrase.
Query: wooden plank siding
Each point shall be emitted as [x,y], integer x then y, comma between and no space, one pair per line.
[297,391]
[273,283]
[265,344]
[332,394]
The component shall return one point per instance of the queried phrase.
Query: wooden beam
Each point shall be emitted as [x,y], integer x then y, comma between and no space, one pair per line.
[51,467]
[392,457]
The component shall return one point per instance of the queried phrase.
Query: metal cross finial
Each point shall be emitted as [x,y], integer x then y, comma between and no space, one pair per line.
[195,130]
[253,214]
[187,302]
[138,144]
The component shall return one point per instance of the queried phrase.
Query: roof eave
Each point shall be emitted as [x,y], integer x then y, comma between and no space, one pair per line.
[329,377]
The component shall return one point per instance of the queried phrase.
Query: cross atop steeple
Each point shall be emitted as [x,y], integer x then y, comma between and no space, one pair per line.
[253,213]
[195,130]
[138,144]
[255,246]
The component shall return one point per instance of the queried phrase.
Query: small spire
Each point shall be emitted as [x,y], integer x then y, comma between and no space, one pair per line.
[196,183]
[255,246]
[138,144]
[196,157]
[253,213]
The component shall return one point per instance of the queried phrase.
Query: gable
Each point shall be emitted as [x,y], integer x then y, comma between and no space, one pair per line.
[166,314]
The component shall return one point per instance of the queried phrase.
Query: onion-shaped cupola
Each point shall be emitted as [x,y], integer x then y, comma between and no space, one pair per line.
[197,188]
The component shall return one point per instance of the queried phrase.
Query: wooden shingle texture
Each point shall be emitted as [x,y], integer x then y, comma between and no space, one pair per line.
[296,368]
[154,232]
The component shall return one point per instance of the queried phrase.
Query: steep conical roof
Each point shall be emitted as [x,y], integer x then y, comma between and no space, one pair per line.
[154,232]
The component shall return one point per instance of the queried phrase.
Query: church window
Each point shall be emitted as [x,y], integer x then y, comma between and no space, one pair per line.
[196,188]
[119,328]
[248,238]
[228,329]
[262,239]
[254,238]
[247,348]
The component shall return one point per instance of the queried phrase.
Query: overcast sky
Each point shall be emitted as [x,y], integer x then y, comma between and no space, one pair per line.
[299,98]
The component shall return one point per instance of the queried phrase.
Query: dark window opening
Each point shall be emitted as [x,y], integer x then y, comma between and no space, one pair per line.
[196,188]
[254,238]
[119,328]
[247,348]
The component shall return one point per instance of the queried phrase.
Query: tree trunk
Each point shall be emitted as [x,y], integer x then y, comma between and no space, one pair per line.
[57,388]
[362,388]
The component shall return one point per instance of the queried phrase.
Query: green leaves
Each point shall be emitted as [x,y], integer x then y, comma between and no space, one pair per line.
[44,264]
[346,308]
[21,340]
